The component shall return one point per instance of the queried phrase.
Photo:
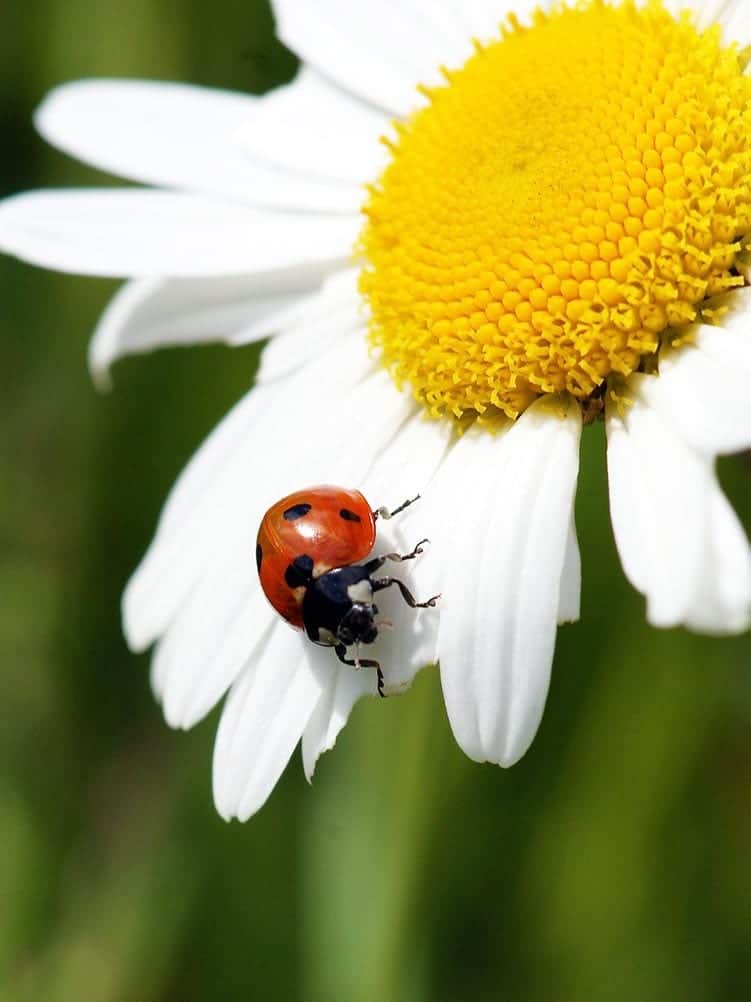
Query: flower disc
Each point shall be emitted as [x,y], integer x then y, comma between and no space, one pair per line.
[570,196]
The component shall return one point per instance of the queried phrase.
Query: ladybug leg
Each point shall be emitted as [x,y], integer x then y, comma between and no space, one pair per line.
[341,653]
[380,583]
[376,562]
[386,514]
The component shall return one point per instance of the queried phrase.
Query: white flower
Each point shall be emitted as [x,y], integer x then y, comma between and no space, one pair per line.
[474,297]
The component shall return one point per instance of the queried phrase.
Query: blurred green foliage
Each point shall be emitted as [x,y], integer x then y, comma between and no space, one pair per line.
[612,863]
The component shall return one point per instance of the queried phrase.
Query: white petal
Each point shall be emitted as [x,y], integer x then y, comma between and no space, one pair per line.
[131,232]
[736,304]
[722,602]
[264,718]
[225,614]
[209,463]
[658,497]
[343,689]
[177,136]
[569,604]
[177,554]
[310,326]
[679,542]
[631,510]
[408,463]
[200,585]
[736,24]
[710,11]
[350,46]
[218,629]
[339,289]
[702,390]
[443,502]
[483,18]
[152,313]
[408,467]
[290,350]
[269,432]
[503,594]
[312,126]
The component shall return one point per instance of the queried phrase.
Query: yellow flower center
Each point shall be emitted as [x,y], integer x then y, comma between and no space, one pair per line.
[572,194]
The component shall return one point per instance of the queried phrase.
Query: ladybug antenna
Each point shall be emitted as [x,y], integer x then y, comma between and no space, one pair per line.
[386,514]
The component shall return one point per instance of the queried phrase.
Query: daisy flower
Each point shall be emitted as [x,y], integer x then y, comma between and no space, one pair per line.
[470,229]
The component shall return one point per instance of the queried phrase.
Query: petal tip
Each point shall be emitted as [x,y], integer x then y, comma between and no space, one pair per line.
[46,111]
[99,370]
[223,810]
[137,636]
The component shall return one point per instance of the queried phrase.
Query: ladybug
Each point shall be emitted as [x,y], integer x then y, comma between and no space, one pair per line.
[307,554]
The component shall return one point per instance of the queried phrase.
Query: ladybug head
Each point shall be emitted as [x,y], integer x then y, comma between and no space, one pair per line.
[357,626]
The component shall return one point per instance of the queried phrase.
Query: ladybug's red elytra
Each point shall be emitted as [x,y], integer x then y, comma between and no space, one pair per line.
[307,554]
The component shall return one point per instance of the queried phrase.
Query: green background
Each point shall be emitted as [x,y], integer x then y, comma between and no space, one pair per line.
[611,863]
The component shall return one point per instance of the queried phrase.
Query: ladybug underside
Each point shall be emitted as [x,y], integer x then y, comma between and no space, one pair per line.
[338,609]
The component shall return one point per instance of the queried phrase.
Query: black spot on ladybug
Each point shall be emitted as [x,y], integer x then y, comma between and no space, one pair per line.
[349,516]
[295,512]
[259,555]
[299,572]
